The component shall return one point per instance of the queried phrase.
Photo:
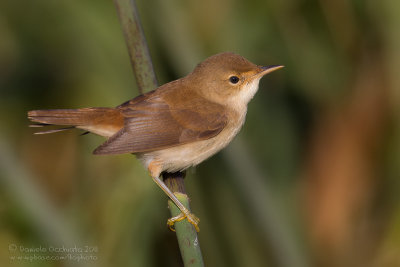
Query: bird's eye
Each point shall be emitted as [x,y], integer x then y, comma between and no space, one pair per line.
[234,79]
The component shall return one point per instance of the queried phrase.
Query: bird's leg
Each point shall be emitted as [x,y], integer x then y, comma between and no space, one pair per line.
[185,213]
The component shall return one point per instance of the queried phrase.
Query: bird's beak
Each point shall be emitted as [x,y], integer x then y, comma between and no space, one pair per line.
[268,69]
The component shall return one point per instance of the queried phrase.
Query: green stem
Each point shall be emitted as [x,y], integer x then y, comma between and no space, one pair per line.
[185,232]
[137,46]
[146,80]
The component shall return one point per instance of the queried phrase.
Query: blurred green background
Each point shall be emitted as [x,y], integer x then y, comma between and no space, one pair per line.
[311,180]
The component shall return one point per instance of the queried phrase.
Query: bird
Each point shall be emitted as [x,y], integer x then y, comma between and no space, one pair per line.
[176,126]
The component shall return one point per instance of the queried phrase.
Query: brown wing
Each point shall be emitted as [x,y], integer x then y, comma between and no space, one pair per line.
[152,122]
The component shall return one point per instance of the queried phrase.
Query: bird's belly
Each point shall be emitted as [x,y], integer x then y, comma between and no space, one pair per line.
[184,156]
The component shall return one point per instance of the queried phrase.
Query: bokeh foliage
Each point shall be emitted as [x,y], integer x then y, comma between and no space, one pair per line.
[311,180]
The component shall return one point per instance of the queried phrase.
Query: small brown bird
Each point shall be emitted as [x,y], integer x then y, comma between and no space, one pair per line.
[176,126]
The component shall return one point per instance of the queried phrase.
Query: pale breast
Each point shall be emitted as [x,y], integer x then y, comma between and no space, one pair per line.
[184,156]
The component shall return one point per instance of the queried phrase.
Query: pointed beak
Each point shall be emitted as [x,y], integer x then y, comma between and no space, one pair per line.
[269,69]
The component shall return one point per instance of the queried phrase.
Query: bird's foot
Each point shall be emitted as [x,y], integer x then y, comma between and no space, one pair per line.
[189,216]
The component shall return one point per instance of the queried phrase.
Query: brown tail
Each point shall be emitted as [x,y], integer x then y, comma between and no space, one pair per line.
[102,121]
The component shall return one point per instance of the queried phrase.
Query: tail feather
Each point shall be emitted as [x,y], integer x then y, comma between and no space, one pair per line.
[76,117]
[38,125]
[103,121]
[55,130]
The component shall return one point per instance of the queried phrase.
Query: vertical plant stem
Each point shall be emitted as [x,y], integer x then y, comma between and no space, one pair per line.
[137,46]
[185,232]
[146,80]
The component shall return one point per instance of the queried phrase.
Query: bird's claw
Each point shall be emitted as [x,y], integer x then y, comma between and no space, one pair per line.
[189,216]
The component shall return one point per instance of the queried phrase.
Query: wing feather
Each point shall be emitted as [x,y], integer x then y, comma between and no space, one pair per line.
[153,123]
